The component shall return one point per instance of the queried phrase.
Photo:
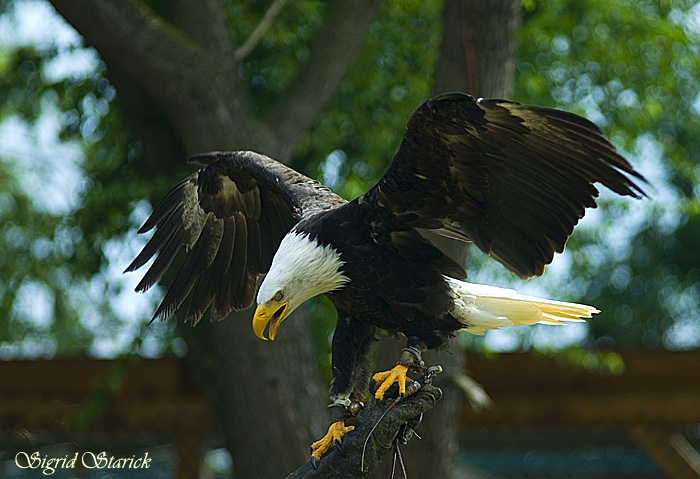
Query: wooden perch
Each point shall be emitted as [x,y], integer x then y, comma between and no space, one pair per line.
[350,463]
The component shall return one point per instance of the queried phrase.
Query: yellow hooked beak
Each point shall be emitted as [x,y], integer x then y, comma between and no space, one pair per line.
[263,316]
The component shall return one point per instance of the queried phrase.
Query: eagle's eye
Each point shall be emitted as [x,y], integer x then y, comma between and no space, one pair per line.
[278,296]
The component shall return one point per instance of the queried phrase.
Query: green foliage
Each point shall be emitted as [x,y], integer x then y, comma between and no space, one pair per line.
[69,175]
[632,66]
[284,47]
[365,122]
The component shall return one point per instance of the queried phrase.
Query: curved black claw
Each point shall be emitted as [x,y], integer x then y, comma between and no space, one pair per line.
[336,443]
[373,386]
[314,464]
[333,437]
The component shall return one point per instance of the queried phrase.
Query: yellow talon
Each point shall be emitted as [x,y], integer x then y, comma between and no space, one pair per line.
[336,431]
[385,379]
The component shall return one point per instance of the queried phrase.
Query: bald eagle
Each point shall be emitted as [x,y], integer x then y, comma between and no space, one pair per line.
[511,179]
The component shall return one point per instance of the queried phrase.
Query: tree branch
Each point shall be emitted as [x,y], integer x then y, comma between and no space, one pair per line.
[135,40]
[206,23]
[180,76]
[332,54]
[355,455]
[260,30]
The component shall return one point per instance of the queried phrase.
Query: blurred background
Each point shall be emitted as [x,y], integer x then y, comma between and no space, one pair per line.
[102,101]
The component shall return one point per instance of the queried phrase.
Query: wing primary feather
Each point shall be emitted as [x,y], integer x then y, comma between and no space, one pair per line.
[226,292]
[207,287]
[578,134]
[199,259]
[170,201]
[159,241]
[162,261]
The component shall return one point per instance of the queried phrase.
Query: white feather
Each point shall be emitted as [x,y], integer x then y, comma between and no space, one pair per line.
[480,307]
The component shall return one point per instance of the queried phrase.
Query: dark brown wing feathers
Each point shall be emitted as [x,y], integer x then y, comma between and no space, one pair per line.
[200,258]
[207,287]
[514,179]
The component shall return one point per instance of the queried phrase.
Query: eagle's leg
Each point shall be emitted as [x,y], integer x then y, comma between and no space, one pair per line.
[411,359]
[351,346]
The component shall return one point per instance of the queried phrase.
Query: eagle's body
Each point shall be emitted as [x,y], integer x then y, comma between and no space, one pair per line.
[405,285]
[511,179]
[399,291]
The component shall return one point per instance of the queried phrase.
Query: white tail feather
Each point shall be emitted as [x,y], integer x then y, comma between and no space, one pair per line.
[480,307]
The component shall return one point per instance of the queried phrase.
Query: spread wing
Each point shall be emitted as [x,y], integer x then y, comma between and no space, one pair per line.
[230,216]
[511,178]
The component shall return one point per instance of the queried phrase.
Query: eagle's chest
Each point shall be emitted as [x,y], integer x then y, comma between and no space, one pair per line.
[363,304]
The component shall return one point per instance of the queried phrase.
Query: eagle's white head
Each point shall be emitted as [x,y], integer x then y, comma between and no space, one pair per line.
[300,270]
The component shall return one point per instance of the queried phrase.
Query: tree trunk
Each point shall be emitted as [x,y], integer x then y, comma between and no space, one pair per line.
[268,398]
[479,47]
